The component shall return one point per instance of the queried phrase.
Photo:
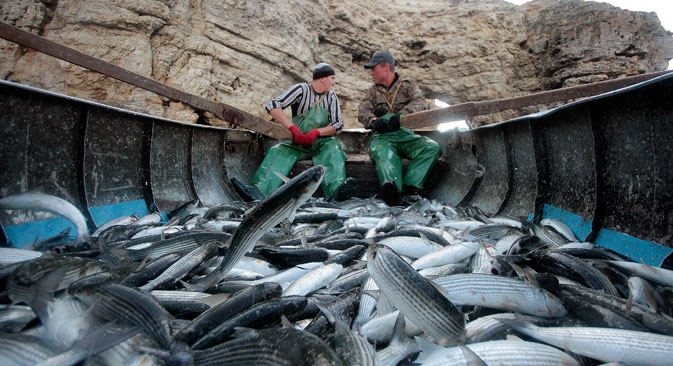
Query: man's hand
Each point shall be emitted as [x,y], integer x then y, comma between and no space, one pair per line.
[382,125]
[308,138]
[379,125]
[394,122]
[296,134]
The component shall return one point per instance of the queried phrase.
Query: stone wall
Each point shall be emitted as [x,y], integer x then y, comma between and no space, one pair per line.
[244,52]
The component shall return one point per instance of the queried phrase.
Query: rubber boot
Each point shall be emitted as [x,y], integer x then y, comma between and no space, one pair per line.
[390,194]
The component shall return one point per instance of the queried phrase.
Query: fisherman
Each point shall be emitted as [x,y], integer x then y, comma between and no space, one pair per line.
[382,109]
[316,118]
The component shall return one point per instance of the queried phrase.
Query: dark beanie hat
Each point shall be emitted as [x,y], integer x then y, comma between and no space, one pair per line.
[321,70]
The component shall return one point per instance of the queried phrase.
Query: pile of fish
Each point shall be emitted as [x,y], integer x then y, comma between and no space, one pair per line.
[292,280]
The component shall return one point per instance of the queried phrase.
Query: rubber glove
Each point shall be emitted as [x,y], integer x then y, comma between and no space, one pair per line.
[394,122]
[379,125]
[391,124]
[308,138]
[296,134]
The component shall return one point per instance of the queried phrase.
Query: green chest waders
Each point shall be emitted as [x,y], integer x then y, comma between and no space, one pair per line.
[387,150]
[325,151]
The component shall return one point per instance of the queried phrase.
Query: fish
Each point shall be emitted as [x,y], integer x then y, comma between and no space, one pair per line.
[318,278]
[501,293]
[280,205]
[238,302]
[501,352]
[181,267]
[449,254]
[350,346]
[35,200]
[260,314]
[380,297]
[276,346]
[604,344]
[415,297]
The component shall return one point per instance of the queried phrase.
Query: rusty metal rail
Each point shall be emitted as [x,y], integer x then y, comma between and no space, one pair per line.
[220,110]
[468,110]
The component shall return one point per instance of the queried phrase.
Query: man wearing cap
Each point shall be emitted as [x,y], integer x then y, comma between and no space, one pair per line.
[382,109]
[316,117]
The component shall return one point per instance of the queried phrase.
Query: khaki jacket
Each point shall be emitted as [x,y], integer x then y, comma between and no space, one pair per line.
[403,96]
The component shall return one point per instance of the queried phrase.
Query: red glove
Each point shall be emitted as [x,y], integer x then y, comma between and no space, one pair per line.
[309,137]
[296,134]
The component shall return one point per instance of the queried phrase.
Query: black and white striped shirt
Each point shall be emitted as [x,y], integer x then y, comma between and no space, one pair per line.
[302,97]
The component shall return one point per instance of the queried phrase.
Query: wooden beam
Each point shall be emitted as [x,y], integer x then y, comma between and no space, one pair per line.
[470,109]
[220,110]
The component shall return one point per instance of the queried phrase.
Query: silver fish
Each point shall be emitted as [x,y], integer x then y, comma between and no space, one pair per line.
[281,205]
[415,297]
[45,202]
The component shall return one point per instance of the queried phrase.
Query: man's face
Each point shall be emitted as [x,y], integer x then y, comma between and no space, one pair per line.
[379,73]
[327,82]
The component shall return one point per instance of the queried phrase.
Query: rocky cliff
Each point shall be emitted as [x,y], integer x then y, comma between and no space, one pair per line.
[244,52]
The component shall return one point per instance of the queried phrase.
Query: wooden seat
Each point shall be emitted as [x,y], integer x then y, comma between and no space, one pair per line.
[358,166]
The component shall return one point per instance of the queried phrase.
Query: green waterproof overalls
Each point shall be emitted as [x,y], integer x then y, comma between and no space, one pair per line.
[325,151]
[385,150]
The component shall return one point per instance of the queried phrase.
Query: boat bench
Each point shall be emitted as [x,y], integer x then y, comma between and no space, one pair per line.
[359,166]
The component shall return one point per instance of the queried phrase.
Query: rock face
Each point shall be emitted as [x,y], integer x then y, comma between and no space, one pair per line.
[244,52]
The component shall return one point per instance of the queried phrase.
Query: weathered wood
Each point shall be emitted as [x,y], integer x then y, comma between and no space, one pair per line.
[471,109]
[220,110]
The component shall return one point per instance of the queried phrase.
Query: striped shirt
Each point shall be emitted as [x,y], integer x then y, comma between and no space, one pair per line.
[302,97]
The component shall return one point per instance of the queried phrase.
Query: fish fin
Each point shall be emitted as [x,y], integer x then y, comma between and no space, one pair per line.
[519,323]
[424,238]
[327,313]
[142,264]
[651,298]
[240,332]
[43,292]
[282,177]
[304,240]
[359,261]
[104,337]
[383,305]
[511,337]
[286,322]
[520,271]
[189,286]
[629,302]
[532,279]
[426,346]
[471,357]
[398,329]
[216,299]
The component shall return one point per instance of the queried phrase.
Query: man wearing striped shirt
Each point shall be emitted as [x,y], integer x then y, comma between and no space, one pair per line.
[316,117]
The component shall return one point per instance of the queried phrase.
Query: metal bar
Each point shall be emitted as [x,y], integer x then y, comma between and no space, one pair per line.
[470,109]
[221,110]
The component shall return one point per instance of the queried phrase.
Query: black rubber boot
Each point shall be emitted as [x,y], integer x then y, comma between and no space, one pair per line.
[345,190]
[411,190]
[390,194]
[247,193]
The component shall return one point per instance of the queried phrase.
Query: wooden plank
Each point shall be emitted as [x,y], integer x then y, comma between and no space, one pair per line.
[220,110]
[468,110]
